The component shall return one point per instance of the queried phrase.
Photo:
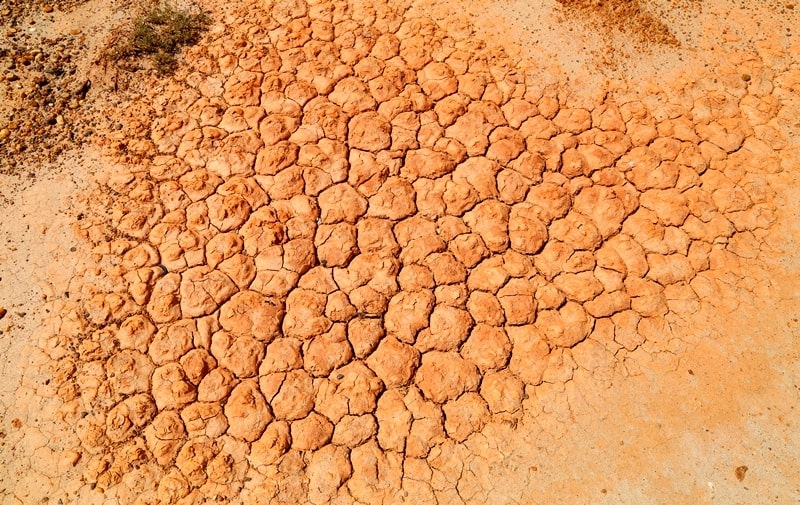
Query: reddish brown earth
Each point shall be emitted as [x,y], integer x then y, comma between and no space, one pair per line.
[359,252]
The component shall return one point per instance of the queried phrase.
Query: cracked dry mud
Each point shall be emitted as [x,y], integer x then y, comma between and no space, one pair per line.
[355,252]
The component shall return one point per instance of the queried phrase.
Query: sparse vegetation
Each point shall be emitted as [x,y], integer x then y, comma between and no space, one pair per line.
[161,33]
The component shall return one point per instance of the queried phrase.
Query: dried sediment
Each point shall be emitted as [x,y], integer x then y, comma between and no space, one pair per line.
[352,244]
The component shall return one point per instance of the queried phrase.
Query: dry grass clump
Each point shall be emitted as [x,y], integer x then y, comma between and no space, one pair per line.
[161,33]
[626,16]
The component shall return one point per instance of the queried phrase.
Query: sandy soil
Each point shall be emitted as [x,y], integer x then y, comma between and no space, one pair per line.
[418,252]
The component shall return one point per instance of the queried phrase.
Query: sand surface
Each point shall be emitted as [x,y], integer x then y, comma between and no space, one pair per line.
[406,252]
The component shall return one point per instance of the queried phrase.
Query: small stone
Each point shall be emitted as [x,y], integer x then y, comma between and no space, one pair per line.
[47,8]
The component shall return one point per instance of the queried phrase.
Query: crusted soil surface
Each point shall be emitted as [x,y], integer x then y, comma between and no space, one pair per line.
[405,252]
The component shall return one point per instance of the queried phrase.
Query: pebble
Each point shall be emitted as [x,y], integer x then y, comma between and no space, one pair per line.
[3,311]
[48,8]
[4,133]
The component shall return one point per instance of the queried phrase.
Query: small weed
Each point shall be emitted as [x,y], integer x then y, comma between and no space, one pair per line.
[160,34]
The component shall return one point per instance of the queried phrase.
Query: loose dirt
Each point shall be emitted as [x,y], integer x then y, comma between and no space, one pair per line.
[359,252]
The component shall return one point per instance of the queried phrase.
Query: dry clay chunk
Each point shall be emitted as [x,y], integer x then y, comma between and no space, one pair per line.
[249,313]
[203,290]
[247,412]
[443,376]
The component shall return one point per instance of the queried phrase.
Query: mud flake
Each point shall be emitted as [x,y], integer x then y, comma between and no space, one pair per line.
[369,132]
[171,389]
[241,355]
[274,443]
[444,376]
[465,415]
[394,362]
[204,419]
[311,432]
[247,412]
[203,290]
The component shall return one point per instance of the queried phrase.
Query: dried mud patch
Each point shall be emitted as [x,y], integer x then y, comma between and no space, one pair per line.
[346,254]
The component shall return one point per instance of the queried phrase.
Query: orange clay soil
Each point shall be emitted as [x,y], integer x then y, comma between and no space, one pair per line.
[407,252]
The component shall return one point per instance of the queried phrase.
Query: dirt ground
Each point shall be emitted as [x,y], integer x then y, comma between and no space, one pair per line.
[402,252]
